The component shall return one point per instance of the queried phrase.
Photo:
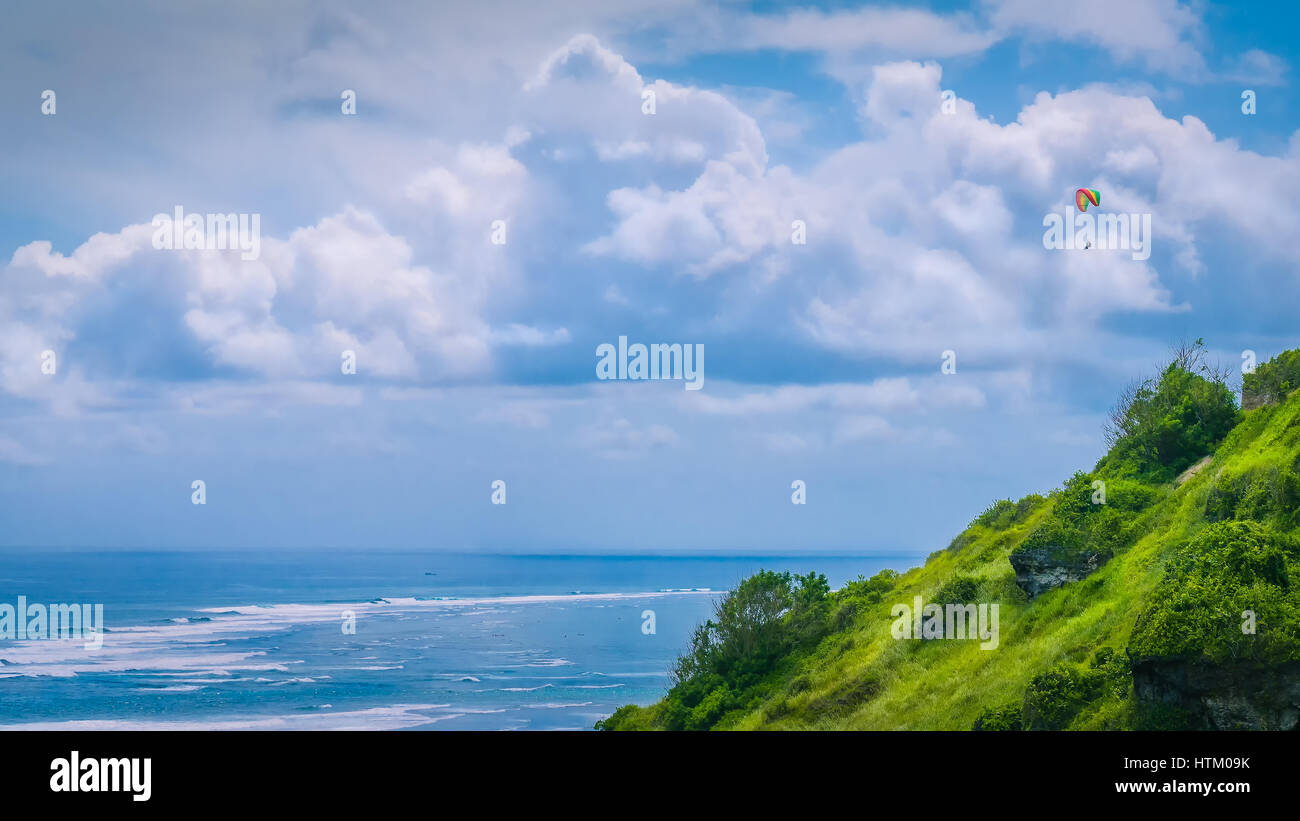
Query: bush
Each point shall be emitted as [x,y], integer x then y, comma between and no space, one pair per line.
[1005,513]
[1008,717]
[1161,427]
[1129,495]
[958,590]
[870,590]
[1115,671]
[1197,609]
[1266,494]
[1077,527]
[628,717]
[732,656]
[1274,380]
[1054,698]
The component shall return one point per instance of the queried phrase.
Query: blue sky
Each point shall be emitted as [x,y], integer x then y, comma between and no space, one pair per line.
[476,361]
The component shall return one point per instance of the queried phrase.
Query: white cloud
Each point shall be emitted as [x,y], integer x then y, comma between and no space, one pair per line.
[1161,33]
[1257,68]
[621,439]
[885,394]
[858,428]
[915,229]
[587,92]
[528,336]
[343,284]
[918,237]
[909,32]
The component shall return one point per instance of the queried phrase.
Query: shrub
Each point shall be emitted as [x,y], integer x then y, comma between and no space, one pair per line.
[1266,494]
[1161,427]
[1001,719]
[1054,698]
[870,590]
[1227,569]
[1274,380]
[1005,513]
[959,541]
[628,717]
[1115,671]
[766,618]
[958,590]
[1077,527]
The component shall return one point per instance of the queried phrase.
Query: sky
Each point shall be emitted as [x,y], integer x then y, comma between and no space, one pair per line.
[843,205]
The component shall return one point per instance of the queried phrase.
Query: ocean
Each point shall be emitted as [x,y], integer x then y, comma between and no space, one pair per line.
[442,641]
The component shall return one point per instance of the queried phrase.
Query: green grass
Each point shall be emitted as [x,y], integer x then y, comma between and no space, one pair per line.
[1062,656]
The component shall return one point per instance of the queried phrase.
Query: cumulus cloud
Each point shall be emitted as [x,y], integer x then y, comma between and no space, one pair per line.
[923,235]
[344,284]
[1161,33]
[586,92]
[931,227]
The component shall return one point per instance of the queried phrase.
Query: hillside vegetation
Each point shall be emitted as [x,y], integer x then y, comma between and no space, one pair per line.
[1161,590]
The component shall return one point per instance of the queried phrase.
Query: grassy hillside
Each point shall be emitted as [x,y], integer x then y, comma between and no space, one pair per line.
[1194,525]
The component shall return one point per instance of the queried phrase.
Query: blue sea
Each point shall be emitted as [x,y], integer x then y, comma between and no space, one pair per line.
[443,641]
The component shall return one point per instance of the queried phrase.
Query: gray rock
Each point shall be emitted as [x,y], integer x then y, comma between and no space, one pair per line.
[1233,696]
[1041,569]
[1250,400]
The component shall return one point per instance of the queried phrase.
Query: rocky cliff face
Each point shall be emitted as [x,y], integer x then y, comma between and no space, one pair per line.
[1235,696]
[1250,400]
[1044,568]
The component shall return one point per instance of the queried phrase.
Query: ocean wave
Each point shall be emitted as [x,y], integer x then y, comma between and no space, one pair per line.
[187,646]
[524,689]
[395,717]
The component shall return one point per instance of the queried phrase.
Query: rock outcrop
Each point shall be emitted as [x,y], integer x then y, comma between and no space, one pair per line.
[1250,400]
[1233,696]
[1040,569]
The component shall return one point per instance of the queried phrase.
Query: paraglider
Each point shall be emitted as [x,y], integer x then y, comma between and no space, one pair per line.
[1085,196]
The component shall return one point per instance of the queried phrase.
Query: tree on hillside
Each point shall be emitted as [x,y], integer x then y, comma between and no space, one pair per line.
[1160,427]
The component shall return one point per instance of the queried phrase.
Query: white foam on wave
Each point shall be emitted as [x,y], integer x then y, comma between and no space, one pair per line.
[399,604]
[395,717]
[185,646]
[176,688]
[524,689]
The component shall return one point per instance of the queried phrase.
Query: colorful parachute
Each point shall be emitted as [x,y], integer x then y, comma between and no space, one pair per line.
[1084,196]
